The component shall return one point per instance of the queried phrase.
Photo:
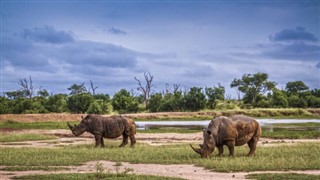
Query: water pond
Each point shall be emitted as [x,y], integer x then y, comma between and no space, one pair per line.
[267,124]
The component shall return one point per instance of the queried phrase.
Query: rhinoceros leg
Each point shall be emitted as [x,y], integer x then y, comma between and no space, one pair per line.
[125,140]
[253,142]
[102,141]
[98,138]
[220,148]
[230,144]
[132,140]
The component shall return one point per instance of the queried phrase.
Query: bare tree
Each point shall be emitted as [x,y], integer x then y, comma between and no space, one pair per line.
[27,87]
[93,88]
[145,90]
[175,88]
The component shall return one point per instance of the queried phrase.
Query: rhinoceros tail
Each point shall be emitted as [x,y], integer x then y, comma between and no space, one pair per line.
[133,128]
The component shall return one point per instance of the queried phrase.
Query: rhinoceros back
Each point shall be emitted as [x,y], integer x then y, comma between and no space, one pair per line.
[246,128]
[109,127]
[114,127]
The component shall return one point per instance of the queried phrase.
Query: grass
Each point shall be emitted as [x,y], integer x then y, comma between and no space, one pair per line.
[277,176]
[304,156]
[24,137]
[293,131]
[30,168]
[287,134]
[96,176]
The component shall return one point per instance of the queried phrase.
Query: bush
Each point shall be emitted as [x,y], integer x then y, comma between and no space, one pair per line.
[123,102]
[79,103]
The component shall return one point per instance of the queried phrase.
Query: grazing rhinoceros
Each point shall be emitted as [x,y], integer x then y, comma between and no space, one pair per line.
[108,127]
[235,131]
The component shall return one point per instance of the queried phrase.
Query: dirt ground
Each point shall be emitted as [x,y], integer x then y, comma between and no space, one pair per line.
[65,138]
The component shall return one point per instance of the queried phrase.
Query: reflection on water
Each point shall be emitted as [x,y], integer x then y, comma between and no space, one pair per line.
[267,124]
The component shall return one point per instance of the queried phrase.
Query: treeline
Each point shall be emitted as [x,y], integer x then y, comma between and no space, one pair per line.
[254,90]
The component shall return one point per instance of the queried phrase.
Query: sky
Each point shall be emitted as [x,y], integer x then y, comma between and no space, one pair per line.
[59,43]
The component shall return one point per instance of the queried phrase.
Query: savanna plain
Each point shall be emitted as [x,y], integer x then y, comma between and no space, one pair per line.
[41,146]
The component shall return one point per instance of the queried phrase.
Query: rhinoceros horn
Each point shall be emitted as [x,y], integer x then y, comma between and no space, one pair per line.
[69,126]
[199,151]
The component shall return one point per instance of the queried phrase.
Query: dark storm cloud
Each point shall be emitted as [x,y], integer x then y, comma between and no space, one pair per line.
[296,51]
[98,54]
[291,44]
[37,50]
[116,31]
[47,34]
[293,35]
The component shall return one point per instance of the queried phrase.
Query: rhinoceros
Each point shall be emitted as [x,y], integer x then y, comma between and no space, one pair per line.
[108,127]
[235,131]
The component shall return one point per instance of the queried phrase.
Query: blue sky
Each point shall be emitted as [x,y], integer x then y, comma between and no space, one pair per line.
[191,43]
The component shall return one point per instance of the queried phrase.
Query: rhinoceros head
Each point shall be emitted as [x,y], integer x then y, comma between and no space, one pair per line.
[77,130]
[208,145]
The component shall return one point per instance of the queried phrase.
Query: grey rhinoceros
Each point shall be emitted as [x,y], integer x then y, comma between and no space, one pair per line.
[106,127]
[235,131]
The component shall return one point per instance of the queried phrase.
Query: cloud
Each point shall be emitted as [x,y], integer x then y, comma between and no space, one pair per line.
[318,65]
[290,44]
[294,35]
[57,66]
[116,31]
[295,51]
[47,34]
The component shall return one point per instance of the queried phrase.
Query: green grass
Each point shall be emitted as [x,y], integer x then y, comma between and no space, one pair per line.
[276,176]
[293,131]
[30,168]
[96,176]
[302,156]
[287,134]
[24,137]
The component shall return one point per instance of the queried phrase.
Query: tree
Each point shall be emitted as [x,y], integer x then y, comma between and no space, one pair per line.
[26,87]
[194,99]
[296,101]
[57,103]
[236,83]
[213,94]
[77,89]
[315,92]
[93,88]
[252,86]
[123,102]
[145,90]
[154,102]
[43,93]
[279,98]
[5,105]
[14,94]
[79,103]
[95,108]
[296,87]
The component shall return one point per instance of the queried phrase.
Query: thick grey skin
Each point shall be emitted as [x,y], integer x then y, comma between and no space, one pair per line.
[106,127]
[235,131]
